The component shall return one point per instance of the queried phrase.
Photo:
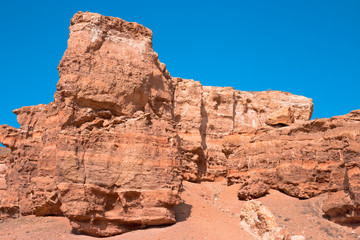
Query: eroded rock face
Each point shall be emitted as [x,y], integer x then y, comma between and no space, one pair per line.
[104,153]
[4,150]
[111,150]
[8,200]
[302,160]
[341,208]
[206,118]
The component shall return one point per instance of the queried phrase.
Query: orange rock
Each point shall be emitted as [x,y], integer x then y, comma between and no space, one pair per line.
[284,116]
[104,153]
[211,114]
[340,208]
[302,160]
[111,150]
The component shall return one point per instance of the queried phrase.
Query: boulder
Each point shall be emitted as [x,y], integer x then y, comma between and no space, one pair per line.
[262,222]
[284,116]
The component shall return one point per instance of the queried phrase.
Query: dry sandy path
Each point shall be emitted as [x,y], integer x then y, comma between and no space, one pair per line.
[210,211]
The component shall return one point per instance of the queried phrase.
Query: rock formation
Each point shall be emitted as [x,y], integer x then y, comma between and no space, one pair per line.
[104,153]
[263,223]
[302,160]
[4,150]
[8,200]
[212,113]
[111,150]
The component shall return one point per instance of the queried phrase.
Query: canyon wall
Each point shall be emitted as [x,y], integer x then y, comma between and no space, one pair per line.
[205,115]
[303,160]
[104,153]
[111,151]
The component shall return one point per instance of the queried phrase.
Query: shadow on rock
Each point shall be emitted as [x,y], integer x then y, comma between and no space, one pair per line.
[182,212]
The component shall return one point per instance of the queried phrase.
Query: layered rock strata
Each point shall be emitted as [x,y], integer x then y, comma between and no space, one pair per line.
[302,160]
[8,201]
[204,116]
[105,152]
[111,150]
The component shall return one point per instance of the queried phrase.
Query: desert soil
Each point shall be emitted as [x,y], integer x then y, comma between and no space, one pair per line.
[209,211]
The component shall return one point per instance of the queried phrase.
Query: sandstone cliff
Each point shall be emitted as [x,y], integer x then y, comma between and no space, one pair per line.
[111,150]
[104,153]
[205,115]
[302,160]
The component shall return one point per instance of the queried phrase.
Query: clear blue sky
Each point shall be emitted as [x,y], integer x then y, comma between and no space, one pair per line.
[309,47]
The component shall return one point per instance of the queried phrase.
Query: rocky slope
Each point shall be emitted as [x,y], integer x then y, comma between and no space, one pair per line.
[111,151]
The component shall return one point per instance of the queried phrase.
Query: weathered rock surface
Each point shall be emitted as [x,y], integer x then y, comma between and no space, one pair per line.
[303,160]
[8,200]
[104,153]
[263,223]
[4,150]
[111,150]
[341,208]
[212,113]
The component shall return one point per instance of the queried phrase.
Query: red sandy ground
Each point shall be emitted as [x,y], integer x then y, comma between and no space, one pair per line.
[210,211]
